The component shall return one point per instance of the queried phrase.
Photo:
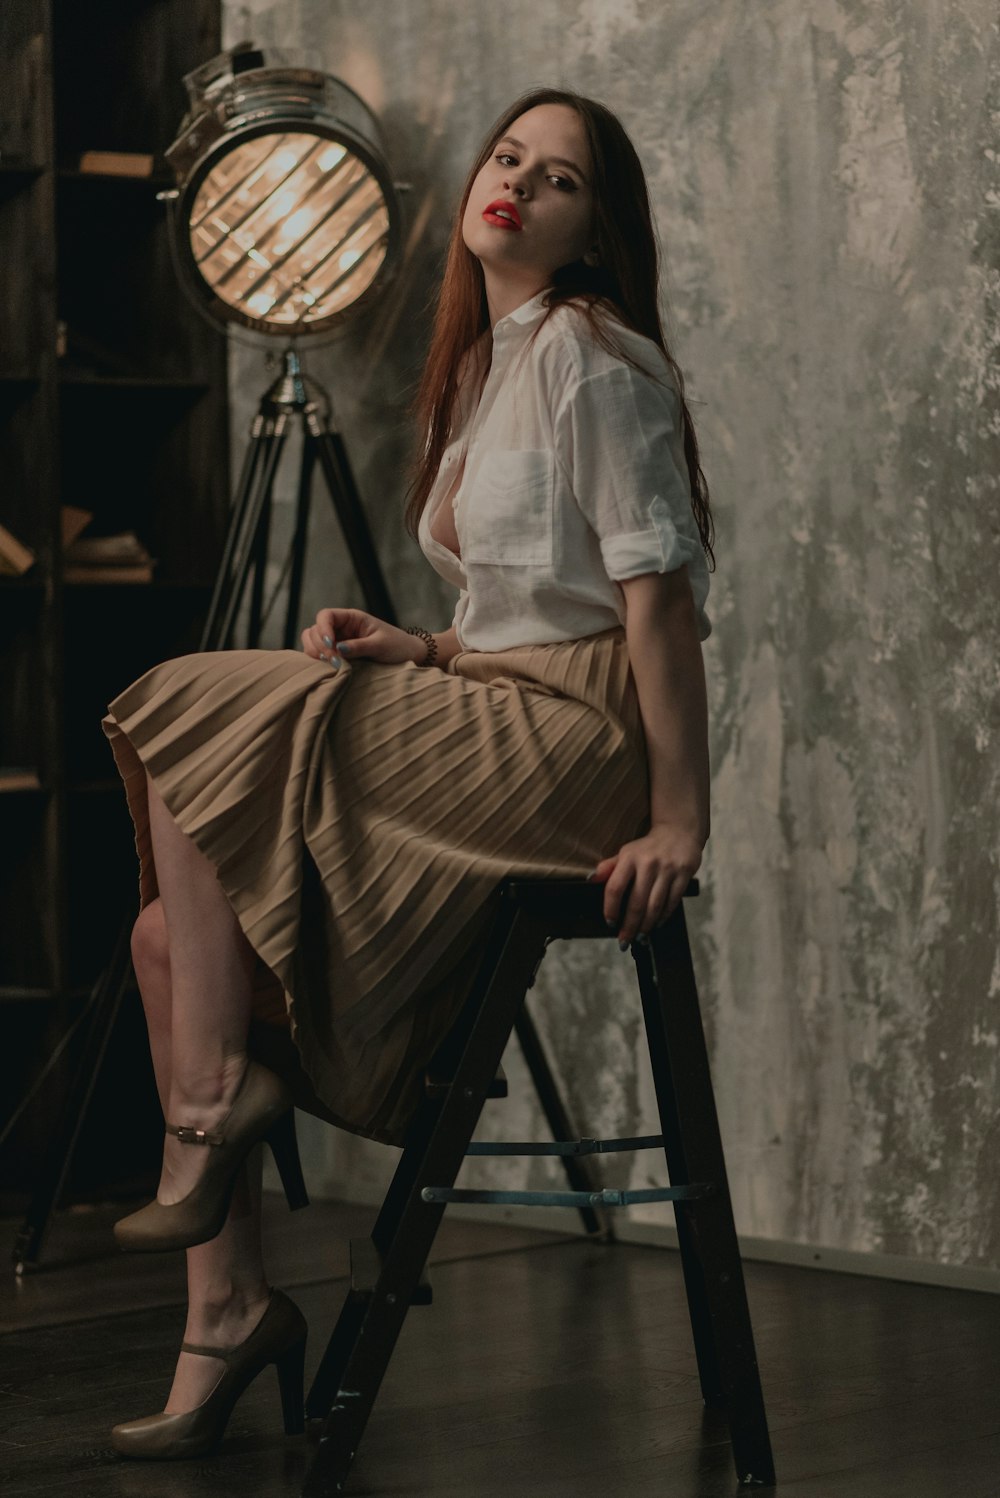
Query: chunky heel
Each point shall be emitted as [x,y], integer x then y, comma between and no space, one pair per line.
[285,1149]
[291,1382]
[261,1107]
[279,1338]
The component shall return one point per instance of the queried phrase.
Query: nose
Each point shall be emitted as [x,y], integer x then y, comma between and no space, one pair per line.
[513,182]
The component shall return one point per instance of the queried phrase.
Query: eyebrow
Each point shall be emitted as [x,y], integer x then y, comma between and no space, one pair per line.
[556,160]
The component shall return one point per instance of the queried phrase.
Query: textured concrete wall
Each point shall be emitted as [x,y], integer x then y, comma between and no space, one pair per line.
[825,181]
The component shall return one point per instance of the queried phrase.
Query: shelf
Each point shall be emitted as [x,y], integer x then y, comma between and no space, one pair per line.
[124,409]
[14,993]
[26,584]
[158,585]
[156,180]
[160,384]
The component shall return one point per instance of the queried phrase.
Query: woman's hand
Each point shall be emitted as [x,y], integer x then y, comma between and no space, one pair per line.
[653,871]
[355,635]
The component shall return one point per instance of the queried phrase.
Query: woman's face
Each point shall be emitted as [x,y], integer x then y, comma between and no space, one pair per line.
[541,174]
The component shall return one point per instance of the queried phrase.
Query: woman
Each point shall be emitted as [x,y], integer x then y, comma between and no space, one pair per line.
[336,821]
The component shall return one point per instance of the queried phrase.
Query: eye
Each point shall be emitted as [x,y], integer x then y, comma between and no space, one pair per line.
[564,184]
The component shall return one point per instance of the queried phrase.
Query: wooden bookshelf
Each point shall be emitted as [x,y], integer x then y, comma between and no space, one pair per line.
[138,437]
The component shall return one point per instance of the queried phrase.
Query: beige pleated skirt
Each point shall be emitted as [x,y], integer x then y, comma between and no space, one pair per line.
[361,820]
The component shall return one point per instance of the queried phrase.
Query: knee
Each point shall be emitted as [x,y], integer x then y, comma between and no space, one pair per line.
[150,952]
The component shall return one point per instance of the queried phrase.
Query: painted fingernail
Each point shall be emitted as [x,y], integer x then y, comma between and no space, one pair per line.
[344,649]
[623,946]
[328,641]
[334,663]
[643,939]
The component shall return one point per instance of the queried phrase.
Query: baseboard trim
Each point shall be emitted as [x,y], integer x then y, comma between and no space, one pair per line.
[763,1250]
[837,1260]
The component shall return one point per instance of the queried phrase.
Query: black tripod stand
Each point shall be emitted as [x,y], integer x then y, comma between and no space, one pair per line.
[246,547]
[292,394]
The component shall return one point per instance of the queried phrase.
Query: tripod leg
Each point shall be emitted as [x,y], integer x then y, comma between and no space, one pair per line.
[258,508]
[353,522]
[299,542]
[256,448]
[105,1001]
[258,561]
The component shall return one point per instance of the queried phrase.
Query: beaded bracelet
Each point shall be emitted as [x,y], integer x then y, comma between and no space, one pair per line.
[432,644]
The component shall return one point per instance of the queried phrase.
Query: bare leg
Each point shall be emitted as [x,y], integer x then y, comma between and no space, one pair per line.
[211,970]
[227,1286]
[228,1291]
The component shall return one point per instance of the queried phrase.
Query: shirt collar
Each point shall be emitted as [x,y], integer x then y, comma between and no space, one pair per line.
[525,316]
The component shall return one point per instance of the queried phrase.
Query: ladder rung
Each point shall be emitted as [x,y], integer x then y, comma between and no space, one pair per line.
[566,1146]
[438,1086]
[606,1198]
[366,1267]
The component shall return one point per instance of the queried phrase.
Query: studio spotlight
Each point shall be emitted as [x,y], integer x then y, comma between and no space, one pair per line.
[285,218]
[285,225]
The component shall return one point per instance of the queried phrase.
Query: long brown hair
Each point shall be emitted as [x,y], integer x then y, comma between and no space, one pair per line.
[627,276]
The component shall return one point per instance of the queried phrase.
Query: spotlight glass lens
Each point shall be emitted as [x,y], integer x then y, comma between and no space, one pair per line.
[289,229]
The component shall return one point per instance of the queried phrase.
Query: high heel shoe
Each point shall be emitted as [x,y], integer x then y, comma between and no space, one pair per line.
[279,1338]
[262,1109]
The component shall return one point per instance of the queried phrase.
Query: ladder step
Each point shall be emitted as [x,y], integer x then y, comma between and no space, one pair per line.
[566,1146]
[366,1267]
[438,1086]
[606,1198]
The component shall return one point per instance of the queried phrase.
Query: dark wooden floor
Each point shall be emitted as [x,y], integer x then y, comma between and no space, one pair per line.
[547,1366]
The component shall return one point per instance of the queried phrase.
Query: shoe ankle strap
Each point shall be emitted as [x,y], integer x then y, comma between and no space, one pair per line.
[193,1136]
[228,1353]
[225,1353]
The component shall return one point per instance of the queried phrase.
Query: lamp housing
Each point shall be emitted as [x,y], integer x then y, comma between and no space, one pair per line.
[285,218]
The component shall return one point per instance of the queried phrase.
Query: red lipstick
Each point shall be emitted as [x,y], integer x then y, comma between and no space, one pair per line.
[493,215]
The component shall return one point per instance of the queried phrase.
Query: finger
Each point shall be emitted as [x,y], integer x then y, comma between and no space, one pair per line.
[318,648]
[322,649]
[618,891]
[656,905]
[613,890]
[326,625]
[310,643]
[677,888]
[360,646]
[348,624]
[635,910]
[334,624]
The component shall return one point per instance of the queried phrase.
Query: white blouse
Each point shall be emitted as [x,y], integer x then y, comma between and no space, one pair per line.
[574,477]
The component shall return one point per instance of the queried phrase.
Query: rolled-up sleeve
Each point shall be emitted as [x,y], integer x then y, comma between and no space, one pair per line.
[617,436]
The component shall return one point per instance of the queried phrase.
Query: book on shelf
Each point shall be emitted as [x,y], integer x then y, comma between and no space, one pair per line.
[123,549]
[15,557]
[141,573]
[118,558]
[14,778]
[117,163]
[72,521]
